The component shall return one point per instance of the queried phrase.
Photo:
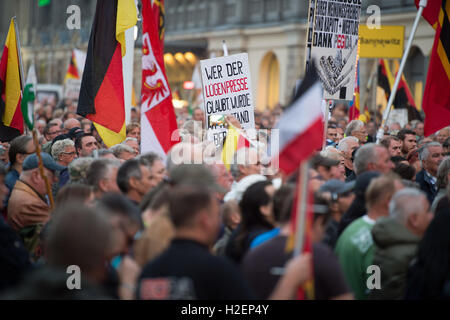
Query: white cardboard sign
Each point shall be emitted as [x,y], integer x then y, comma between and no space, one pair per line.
[335,46]
[72,89]
[226,90]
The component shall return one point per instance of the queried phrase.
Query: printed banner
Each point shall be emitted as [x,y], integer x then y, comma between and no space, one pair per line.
[72,89]
[386,42]
[227,90]
[335,46]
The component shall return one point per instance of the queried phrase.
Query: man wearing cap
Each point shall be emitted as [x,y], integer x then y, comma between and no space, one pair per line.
[341,195]
[328,168]
[28,204]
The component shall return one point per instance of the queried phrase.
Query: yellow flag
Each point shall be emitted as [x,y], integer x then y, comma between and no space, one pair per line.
[126,18]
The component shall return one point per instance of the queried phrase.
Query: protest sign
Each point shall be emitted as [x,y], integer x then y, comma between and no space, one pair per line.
[72,89]
[227,90]
[386,42]
[398,115]
[335,46]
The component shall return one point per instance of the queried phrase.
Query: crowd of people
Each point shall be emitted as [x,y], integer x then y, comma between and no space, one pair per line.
[147,226]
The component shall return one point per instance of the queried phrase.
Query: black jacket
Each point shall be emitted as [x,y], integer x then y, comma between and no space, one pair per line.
[426,185]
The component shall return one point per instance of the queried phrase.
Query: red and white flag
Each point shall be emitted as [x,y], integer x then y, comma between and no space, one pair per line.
[301,125]
[158,120]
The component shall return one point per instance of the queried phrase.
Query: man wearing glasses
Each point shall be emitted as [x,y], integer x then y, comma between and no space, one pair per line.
[357,128]
[63,152]
[51,131]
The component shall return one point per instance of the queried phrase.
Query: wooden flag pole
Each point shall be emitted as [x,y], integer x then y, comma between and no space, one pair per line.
[41,169]
[380,134]
[301,207]
[307,290]
[35,138]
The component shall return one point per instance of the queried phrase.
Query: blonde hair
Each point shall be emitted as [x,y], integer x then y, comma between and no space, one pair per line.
[155,239]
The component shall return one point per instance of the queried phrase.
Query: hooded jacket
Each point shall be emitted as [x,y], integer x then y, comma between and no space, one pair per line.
[395,247]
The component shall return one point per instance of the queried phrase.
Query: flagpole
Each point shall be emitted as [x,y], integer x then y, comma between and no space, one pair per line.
[41,169]
[35,138]
[225,48]
[380,134]
[301,207]
[19,53]
[241,132]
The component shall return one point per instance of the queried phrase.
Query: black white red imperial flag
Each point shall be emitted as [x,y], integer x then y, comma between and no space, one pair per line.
[301,125]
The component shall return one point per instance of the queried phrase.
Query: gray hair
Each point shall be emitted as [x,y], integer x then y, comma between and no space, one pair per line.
[415,123]
[99,170]
[352,126]
[424,151]
[405,202]
[240,158]
[60,146]
[343,144]
[194,128]
[330,152]
[78,169]
[184,153]
[129,169]
[130,139]
[118,149]
[364,156]
[442,174]
[104,152]
[150,158]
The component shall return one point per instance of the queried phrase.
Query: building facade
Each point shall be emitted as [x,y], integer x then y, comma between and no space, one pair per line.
[272,32]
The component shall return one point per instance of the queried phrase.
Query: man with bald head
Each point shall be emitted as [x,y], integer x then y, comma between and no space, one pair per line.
[70,124]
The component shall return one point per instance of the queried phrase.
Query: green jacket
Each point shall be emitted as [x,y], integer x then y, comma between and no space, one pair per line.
[395,247]
[354,249]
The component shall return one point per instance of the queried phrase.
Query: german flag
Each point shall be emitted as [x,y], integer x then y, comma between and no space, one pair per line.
[10,88]
[404,97]
[436,98]
[72,71]
[102,95]
[354,111]
[234,141]
[385,78]
[403,94]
